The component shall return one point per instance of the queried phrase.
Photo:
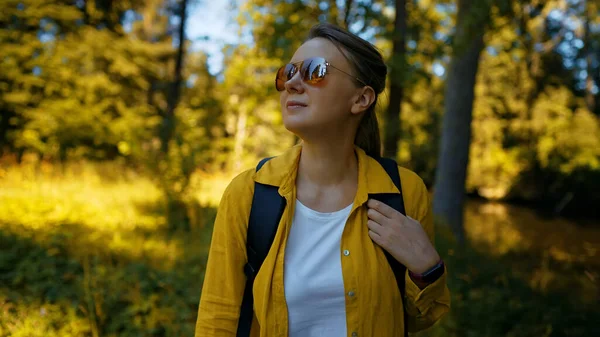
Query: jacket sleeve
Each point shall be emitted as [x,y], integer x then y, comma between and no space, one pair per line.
[224,279]
[424,306]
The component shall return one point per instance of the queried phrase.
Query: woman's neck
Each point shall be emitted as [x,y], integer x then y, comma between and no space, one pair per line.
[328,164]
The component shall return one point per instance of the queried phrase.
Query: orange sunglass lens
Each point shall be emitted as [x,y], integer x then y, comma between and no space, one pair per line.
[280,79]
[312,71]
[284,74]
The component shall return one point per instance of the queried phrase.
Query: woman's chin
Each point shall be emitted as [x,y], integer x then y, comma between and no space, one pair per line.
[294,128]
[296,124]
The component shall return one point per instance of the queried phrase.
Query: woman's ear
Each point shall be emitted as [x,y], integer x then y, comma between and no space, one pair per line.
[363,100]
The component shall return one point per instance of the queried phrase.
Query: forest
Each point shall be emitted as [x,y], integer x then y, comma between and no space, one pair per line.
[117,139]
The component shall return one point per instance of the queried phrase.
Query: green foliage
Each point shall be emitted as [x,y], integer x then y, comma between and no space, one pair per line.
[520,292]
[82,255]
[94,115]
[83,93]
[533,137]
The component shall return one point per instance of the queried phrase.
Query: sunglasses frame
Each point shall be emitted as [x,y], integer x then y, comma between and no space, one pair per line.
[298,66]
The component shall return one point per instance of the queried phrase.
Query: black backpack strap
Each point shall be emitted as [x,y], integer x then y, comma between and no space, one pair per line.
[396,201]
[265,213]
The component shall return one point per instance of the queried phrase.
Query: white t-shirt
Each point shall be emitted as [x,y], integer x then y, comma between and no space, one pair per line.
[313,282]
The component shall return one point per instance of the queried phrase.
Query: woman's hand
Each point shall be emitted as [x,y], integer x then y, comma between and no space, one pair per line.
[403,237]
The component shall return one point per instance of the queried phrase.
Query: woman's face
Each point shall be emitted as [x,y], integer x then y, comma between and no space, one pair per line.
[324,108]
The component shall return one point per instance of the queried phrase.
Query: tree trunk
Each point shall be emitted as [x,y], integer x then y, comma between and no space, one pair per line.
[5,116]
[347,9]
[398,63]
[177,211]
[240,137]
[590,99]
[451,172]
[168,126]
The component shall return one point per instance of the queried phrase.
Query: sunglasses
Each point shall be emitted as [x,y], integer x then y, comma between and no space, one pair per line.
[312,71]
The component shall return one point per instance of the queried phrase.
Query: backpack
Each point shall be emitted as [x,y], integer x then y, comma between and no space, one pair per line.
[265,213]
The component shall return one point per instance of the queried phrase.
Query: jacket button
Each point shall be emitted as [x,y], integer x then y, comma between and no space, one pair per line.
[351,293]
[355,334]
[346,252]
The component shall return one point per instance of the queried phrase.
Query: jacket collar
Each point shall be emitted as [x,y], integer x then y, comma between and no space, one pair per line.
[282,170]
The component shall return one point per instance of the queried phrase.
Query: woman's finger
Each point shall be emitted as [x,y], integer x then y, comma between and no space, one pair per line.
[375,237]
[374,226]
[374,215]
[382,208]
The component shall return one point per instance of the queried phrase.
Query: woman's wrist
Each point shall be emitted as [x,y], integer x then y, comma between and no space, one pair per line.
[429,276]
[427,261]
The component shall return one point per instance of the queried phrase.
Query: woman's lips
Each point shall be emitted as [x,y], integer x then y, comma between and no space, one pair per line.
[295,105]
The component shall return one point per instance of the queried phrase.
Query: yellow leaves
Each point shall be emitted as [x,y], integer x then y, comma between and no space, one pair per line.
[567,138]
[508,35]
[256,16]
[30,135]
[545,146]
[57,11]
[16,97]
[124,67]
[581,140]
[234,99]
[562,132]
[248,90]
[493,170]
[294,18]
[124,148]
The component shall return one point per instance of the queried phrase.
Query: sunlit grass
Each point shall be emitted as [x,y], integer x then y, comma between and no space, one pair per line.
[501,228]
[95,213]
[85,250]
[211,187]
[549,254]
[38,320]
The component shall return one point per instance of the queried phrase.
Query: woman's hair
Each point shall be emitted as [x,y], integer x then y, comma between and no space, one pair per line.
[370,67]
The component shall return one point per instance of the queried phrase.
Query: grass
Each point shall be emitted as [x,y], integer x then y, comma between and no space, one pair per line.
[521,275]
[85,250]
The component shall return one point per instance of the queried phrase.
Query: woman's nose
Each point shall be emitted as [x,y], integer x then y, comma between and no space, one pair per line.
[295,84]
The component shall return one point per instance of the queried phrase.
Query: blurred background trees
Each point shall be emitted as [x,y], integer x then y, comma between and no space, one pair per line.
[492,100]
[105,80]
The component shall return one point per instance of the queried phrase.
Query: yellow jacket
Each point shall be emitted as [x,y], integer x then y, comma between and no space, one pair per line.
[375,310]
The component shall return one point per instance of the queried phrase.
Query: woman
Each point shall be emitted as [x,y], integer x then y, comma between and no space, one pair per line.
[326,273]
